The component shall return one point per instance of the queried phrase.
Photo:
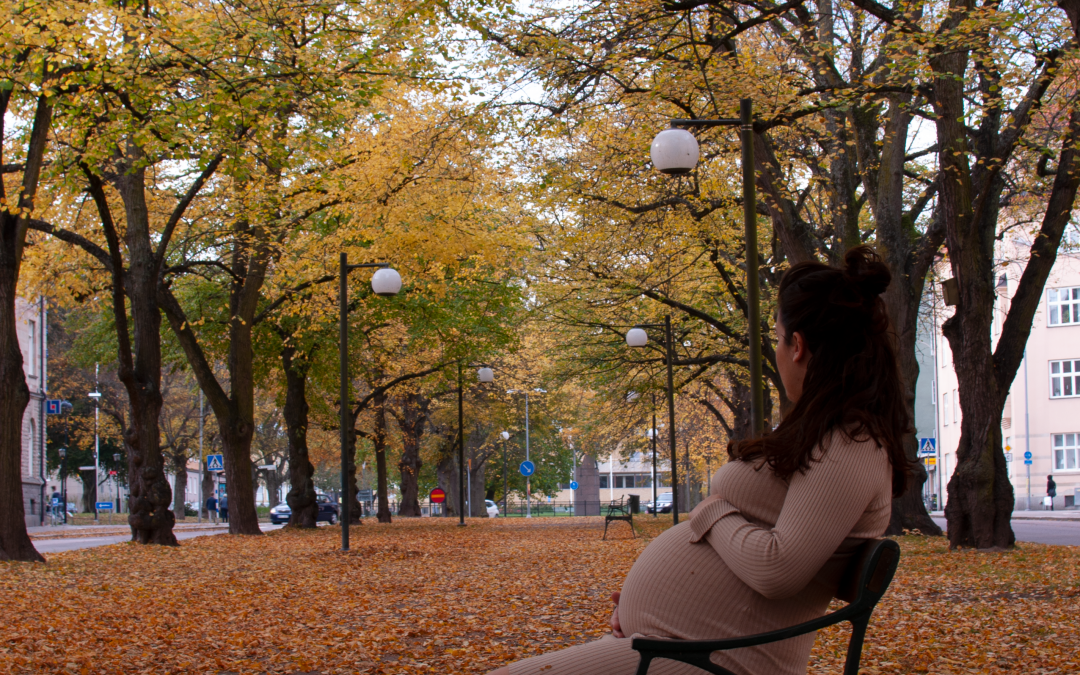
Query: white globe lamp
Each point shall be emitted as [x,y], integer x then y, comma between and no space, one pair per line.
[637,337]
[486,375]
[386,281]
[674,151]
[505,435]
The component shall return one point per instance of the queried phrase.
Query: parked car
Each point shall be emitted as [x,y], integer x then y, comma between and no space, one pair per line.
[663,501]
[328,511]
[492,509]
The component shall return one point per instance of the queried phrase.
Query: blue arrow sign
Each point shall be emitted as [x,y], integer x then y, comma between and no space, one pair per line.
[527,468]
[1027,461]
[573,485]
[1027,455]
[215,463]
[52,406]
[103,506]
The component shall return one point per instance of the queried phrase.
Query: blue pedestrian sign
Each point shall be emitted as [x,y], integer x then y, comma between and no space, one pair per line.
[1027,461]
[215,463]
[1027,455]
[927,447]
[52,406]
[103,506]
[573,485]
[527,468]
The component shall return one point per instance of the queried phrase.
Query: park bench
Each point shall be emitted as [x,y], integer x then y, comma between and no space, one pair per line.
[864,582]
[620,509]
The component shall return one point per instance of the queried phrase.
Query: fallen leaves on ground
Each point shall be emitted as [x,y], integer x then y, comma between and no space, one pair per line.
[423,595]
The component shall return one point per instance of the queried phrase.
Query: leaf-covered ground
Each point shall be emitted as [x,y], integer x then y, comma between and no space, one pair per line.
[426,596]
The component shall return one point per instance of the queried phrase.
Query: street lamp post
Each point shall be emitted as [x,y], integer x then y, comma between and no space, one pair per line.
[638,337]
[116,463]
[96,395]
[652,436]
[485,375]
[63,481]
[385,282]
[506,480]
[675,151]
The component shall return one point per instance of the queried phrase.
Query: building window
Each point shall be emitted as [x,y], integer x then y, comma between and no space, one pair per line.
[1064,305]
[955,406]
[603,482]
[1066,452]
[946,408]
[1064,378]
[624,481]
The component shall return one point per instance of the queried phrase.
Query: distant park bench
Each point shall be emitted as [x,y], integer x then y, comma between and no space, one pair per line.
[864,582]
[621,509]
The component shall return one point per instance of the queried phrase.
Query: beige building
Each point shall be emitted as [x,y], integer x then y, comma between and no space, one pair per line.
[30,318]
[1042,412]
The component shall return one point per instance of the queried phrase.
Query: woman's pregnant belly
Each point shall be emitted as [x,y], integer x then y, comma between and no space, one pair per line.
[681,590]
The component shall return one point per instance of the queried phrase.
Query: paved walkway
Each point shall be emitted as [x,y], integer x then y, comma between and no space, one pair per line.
[1059,515]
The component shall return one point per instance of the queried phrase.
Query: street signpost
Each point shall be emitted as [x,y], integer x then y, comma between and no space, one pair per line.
[573,485]
[52,406]
[438,496]
[215,463]
[103,506]
[527,468]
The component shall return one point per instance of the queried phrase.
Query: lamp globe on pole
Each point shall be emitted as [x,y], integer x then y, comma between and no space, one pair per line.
[674,151]
[486,374]
[386,282]
[637,337]
[505,435]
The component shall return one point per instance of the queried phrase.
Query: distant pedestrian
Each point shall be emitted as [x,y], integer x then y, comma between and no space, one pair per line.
[223,508]
[57,506]
[211,509]
[1051,490]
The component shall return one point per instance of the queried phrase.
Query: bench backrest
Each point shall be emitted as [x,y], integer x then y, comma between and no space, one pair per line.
[870,571]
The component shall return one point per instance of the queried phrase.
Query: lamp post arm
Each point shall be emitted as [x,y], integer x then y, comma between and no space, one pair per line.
[461,446]
[671,418]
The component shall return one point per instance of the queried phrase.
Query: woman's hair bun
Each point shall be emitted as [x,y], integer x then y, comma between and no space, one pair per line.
[864,269]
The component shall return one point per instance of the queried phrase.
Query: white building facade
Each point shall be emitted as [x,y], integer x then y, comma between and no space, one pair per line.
[30,326]
[1042,411]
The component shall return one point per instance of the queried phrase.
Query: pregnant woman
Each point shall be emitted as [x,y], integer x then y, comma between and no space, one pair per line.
[766,550]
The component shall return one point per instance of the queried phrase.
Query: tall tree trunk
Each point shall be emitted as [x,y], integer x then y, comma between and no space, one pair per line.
[379,439]
[179,461]
[413,421]
[447,475]
[207,490]
[15,543]
[140,360]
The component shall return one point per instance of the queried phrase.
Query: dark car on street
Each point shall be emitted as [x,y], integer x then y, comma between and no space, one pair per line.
[328,511]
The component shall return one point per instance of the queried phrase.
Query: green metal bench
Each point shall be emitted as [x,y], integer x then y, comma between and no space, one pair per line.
[864,582]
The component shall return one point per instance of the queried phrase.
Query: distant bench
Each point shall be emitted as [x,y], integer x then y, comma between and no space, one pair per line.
[864,582]
[621,509]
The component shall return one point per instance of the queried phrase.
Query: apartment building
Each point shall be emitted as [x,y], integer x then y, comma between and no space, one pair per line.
[30,326]
[1042,411]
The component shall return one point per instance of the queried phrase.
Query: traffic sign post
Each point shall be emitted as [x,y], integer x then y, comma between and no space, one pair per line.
[527,468]
[215,462]
[438,496]
[573,485]
[52,406]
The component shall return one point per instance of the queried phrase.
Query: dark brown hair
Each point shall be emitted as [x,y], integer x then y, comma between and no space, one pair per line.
[853,383]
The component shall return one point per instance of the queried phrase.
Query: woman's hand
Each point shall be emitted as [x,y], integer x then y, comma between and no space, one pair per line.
[616,628]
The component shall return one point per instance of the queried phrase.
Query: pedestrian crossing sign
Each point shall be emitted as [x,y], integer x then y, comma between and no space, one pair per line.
[215,463]
[927,447]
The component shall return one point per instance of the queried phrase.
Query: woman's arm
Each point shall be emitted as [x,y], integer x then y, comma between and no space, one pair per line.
[821,508]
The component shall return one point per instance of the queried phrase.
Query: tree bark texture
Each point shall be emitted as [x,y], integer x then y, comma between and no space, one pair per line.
[447,474]
[179,462]
[412,421]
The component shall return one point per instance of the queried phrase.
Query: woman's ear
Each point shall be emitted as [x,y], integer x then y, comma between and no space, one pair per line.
[800,353]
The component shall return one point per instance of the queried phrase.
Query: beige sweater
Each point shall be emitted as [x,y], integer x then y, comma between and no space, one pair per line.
[762,554]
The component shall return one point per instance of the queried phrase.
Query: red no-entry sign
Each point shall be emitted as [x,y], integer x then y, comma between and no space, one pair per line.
[438,496]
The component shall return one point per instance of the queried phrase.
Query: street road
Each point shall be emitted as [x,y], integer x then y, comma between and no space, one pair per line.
[71,544]
[1062,532]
